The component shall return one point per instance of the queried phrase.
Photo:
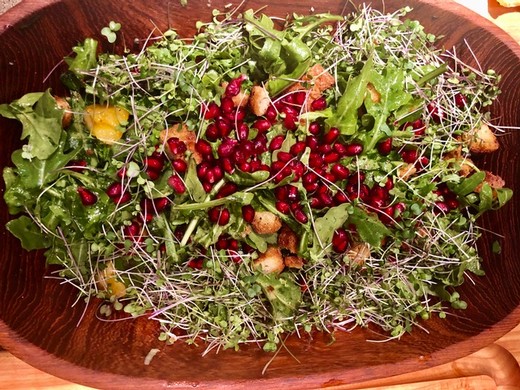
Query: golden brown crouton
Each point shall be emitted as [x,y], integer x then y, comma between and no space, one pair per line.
[64,105]
[271,261]
[482,140]
[293,261]
[182,132]
[320,79]
[466,165]
[288,239]
[259,100]
[266,222]
[493,180]
[406,171]
[358,253]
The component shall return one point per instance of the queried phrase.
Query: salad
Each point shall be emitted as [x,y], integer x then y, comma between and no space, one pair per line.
[261,178]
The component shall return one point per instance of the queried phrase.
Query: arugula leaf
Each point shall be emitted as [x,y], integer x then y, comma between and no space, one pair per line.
[332,220]
[282,292]
[41,121]
[28,233]
[468,184]
[86,57]
[370,228]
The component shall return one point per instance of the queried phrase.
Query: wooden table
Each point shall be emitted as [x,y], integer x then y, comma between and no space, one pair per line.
[494,367]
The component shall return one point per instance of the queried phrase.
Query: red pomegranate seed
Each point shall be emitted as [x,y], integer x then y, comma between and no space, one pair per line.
[379,192]
[132,230]
[281,193]
[114,190]
[312,142]
[260,144]
[271,114]
[300,216]
[452,203]
[315,203]
[340,171]
[319,104]
[290,122]
[298,148]
[284,156]
[262,125]
[233,87]
[300,97]
[207,187]
[224,126]
[436,112]
[298,169]
[276,143]
[283,207]
[309,178]
[176,146]
[196,263]
[227,189]
[153,174]
[315,160]
[353,149]
[153,163]
[460,100]
[441,207]
[222,243]
[331,157]
[340,148]
[292,193]
[87,197]
[248,213]
[226,148]
[227,165]
[176,183]
[385,147]
[179,165]
[409,156]
[315,128]
[212,134]
[202,170]
[125,197]
[219,215]
[325,148]
[203,147]
[340,197]
[226,105]
[389,184]
[77,165]
[340,240]
[211,111]
[331,136]
[245,166]
[161,204]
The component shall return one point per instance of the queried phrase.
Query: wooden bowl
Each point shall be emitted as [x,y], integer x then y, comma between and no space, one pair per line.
[41,323]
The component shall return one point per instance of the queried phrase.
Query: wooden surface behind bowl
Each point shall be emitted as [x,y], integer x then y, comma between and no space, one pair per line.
[40,323]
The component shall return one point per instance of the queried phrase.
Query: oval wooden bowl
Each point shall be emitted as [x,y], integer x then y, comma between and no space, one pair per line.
[41,322]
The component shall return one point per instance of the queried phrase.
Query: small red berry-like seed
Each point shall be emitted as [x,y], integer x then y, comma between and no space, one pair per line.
[260,143]
[224,127]
[227,105]
[281,193]
[435,111]
[409,156]
[248,213]
[340,240]
[271,114]
[114,190]
[460,100]
[203,147]
[245,166]
[176,146]
[289,122]
[312,142]
[284,156]
[379,192]
[207,187]
[227,189]
[300,216]
[331,136]
[309,178]
[262,125]
[222,216]
[176,183]
[441,207]
[422,163]
[297,148]
[283,207]
[179,165]
[196,263]
[132,230]
[331,157]
[289,111]
[389,184]
[452,203]
[292,193]
[353,149]
[161,204]
[315,160]
[276,143]
[154,163]
[121,173]
[227,165]
[124,198]
[340,171]
[238,156]
[314,128]
[326,198]
[211,111]
[329,177]
[319,104]
[298,170]
[202,170]
[376,203]
[300,97]
[357,177]
[340,197]
[233,87]
[152,174]
[77,165]
[212,134]
[315,203]
[385,147]
[222,243]
[339,148]
[87,197]
[226,148]
[325,148]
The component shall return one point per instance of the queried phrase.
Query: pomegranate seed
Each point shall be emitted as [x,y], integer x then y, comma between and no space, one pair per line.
[154,163]
[292,193]
[315,128]
[331,157]
[283,207]
[233,88]
[281,193]
[409,156]
[77,165]
[212,134]
[340,197]
[125,197]
[87,197]
[224,217]
[315,203]
[435,111]
[260,144]
[224,127]
[179,165]
[385,147]
[298,169]
[309,178]
[161,204]
[227,189]
[176,183]
[379,192]
[298,148]
[325,148]
[132,230]
[271,114]
[340,171]
[222,243]
[389,184]
[340,240]
[315,160]
[289,122]
[203,147]
[452,203]
[284,156]
[331,136]
[326,198]
[299,97]
[114,190]
[353,149]
[300,216]
[211,111]
[227,165]
[196,263]
[207,187]
[340,148]
[226,148]
[312,142]
[226,105]
[441,207]
[460,100]
[319,104]
[357,177]
[262,125]
[329,177]
[248,213]
[176,146]
[245,167]
[219,215]
[202,170]
[239,156]
[276,143]
[153,174]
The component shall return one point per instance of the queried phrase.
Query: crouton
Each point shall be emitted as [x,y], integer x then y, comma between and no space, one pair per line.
[64,105]
[466,165]
[288,239]
[406,171]
[320,81]
[271,261]
[358,253]
[259,100]
[482,140]
[266,222]
[239,100]
[182,132]
[293,261]
[493,180]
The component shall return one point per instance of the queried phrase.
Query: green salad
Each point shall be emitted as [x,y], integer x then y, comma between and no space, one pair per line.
[262,178]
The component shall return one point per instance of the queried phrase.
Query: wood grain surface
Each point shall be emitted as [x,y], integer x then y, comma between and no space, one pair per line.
[40,320]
